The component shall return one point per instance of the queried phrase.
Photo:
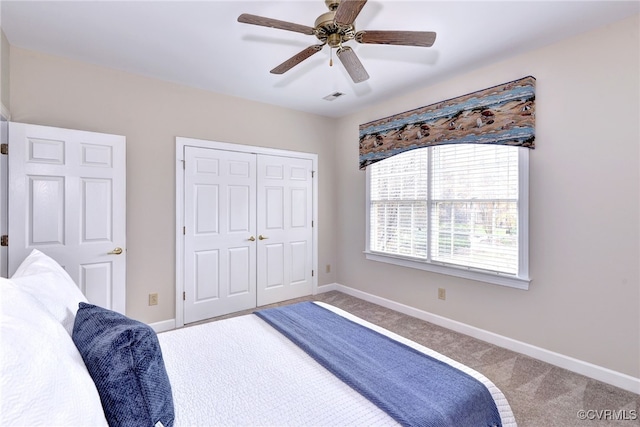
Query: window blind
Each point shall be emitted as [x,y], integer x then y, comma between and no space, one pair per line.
[474,206]
[398,194]
[450,204]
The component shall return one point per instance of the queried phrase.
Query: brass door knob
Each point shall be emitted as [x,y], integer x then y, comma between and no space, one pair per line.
[252,239]
[261,237]
[116,251]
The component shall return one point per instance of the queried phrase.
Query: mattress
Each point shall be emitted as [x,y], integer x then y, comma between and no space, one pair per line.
[241,371]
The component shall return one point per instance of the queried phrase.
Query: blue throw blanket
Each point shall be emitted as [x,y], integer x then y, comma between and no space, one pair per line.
[413,388]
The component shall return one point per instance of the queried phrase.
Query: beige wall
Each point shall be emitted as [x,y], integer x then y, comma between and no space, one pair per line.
[52,91]
[5,49]
[584,300]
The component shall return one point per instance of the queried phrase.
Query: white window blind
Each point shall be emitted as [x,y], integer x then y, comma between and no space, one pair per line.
[452,205]
[399,204]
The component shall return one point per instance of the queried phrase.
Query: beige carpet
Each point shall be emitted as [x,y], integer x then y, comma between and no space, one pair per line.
[540,394]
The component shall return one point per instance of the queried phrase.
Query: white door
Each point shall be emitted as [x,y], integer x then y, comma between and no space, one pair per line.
[219,234]
[285,241]
[67,199]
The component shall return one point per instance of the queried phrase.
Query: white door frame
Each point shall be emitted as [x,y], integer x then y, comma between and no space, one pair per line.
[182,142]
[4,190]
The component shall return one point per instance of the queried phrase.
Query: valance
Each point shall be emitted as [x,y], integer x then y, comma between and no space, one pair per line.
[503,114]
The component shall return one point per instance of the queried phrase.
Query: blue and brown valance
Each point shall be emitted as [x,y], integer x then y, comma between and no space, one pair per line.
[503,114]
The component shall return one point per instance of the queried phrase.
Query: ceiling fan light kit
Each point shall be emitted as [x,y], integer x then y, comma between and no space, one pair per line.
[336,27]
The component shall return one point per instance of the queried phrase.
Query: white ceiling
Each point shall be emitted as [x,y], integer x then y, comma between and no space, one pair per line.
[201,44]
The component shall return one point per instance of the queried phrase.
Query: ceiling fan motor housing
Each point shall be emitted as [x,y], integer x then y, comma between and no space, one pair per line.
[328,32]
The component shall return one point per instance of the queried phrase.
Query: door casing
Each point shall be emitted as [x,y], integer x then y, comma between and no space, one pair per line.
[4,191]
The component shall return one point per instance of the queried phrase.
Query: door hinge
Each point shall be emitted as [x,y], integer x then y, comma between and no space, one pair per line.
[313,174]
[312,273]
[184,296]
[4,240]
[311,223]
[4,149]
[184,230]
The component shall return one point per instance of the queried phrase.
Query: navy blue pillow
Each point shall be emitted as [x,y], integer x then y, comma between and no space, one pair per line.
[124,359]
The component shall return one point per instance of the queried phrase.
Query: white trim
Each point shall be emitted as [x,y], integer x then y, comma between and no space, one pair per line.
[327,288]
[227,146]
[4,193]
[519,281]
[367,210]
[523,213]
[163,326]
[179,257]
[181,143]
[590,370]
[465,273]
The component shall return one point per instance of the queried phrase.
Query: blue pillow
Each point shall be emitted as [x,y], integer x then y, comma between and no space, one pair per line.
[124,359]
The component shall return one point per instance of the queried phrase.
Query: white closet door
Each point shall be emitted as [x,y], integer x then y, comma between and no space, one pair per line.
[285,241]
[67,199]
[220,238]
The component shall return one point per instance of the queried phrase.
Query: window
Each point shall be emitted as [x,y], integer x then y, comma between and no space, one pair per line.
[457,209]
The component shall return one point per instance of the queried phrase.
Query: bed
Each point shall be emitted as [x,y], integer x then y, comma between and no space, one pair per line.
[66,362]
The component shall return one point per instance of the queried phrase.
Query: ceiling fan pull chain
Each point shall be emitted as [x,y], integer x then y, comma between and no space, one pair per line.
[330,57]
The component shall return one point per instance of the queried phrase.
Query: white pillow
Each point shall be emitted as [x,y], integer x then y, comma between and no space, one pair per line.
[37,262]
[43,380]
[43,278]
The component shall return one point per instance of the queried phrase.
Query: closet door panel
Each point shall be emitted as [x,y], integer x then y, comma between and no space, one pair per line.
[220,210]
[284,222]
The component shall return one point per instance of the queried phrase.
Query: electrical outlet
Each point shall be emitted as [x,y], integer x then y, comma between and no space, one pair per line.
[327,268]
[442,294]
[153,299]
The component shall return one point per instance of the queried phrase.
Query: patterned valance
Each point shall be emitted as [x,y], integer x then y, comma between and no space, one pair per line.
[503,114]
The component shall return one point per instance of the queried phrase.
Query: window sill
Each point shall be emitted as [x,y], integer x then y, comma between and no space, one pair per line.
[481,276]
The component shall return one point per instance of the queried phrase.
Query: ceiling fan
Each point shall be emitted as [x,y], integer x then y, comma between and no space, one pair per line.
[337,27]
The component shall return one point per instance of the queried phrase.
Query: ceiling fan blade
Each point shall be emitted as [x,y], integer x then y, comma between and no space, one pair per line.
[296,59]
[352,64]
[403,38]
[348,10]
[246,18]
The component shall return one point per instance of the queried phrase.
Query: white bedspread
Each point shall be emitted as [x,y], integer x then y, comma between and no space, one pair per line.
[242,372]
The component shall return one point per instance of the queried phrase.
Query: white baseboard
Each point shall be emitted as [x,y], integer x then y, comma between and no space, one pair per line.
[327,288]
[590,370]
[163,326]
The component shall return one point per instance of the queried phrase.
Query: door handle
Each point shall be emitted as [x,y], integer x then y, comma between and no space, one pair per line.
[251,239]
[261,237]
[116,251]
